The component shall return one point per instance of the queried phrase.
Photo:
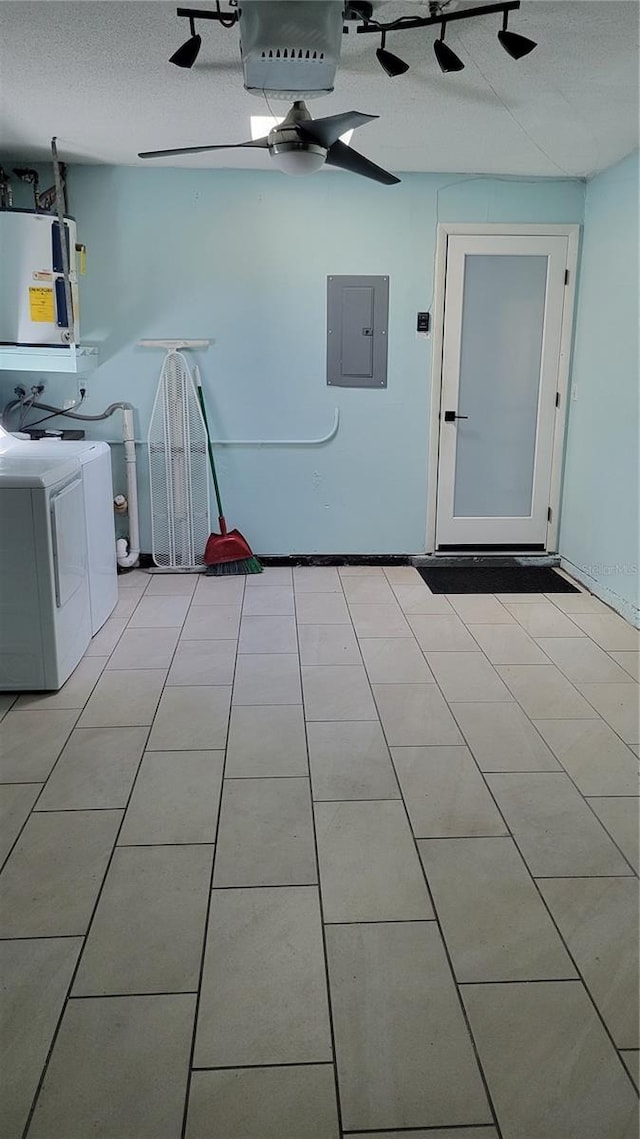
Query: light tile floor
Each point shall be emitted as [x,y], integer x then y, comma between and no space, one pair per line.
[318,853]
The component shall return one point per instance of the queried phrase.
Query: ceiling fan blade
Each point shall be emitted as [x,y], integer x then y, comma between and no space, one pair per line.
[259,142]
[327,131]
[347,159]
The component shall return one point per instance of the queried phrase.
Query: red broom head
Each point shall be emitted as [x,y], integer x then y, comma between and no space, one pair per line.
[230,547]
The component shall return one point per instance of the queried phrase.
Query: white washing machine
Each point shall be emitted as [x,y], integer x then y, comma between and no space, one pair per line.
[45,617]
[95,460]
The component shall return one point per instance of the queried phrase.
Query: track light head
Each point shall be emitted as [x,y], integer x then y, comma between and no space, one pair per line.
[516,46]
[187,54]
[389,62]
[447,59]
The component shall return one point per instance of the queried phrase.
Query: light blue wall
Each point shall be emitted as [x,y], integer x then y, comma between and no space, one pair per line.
[599,524]
[242,257]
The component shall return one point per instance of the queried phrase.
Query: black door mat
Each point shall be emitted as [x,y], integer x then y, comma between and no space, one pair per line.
[495,579]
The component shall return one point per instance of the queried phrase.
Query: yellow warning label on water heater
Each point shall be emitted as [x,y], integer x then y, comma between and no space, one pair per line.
[41,307]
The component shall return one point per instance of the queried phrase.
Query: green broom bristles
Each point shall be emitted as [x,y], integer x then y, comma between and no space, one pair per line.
[241,566]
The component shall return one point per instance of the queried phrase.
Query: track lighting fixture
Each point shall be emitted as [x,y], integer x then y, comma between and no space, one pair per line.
[441,12]
[516,46]
[187,54]
[447,59]
[389,62]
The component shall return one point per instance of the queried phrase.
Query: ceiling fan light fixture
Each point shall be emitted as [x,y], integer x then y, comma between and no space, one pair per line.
[389,62]
[447,59]
[297,159]
[187,53]
[515,45]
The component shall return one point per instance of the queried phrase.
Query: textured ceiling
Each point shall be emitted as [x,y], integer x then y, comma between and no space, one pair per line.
[95,73]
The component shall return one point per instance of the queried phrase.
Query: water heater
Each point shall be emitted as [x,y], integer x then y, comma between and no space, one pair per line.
[33,308]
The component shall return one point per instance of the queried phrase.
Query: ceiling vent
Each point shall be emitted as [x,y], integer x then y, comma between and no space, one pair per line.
[290,48]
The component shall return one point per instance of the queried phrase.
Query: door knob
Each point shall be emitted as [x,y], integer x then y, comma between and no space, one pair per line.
[451,416]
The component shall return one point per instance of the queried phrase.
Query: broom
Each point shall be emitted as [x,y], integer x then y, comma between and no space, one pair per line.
[227,552]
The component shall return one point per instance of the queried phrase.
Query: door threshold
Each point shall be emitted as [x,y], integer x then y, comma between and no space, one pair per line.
[490,548]
[482,558]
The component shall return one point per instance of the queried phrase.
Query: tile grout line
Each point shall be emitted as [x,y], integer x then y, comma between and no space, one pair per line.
[586,637]
[43,707]
[482,773]
[596,716]
[124,996]
[610,612]
[244,778]
[155,845]
[568,776]
[382,921]
[422,868]
[93,911]
[149,727]
[147,668]
[260,1067]
[574,683]
[75,728]
[13,698]
[582,636]
[75,810]
[267,886]
[393,1131]
[84,937]
[445,947]
[205,934]
[44,937]
[43,784]
[588,877]
[605,796]
[580,978]
[126,620]
[323,935]
[526,981]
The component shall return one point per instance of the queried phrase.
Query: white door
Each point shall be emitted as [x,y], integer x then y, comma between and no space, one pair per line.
[504,299]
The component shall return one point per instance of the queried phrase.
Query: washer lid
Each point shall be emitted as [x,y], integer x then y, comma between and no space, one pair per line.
[85,450]
[18,469]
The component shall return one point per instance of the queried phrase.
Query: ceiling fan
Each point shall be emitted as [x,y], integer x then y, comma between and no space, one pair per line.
[301,145]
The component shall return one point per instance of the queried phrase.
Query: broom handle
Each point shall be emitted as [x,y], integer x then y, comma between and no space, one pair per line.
[210,449]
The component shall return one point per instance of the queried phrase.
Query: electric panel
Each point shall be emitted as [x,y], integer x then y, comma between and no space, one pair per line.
[357,331]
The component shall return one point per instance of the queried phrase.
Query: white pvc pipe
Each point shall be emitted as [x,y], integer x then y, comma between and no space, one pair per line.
[127,559]
[263,442]
[174,345]
[283,442]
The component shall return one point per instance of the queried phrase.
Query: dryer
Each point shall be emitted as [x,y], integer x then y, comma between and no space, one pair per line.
[95,459]
[45,617]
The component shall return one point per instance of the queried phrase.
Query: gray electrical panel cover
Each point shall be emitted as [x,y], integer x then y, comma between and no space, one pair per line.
[357,320]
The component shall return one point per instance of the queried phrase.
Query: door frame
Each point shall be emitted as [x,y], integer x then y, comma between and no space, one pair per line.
[444,231]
